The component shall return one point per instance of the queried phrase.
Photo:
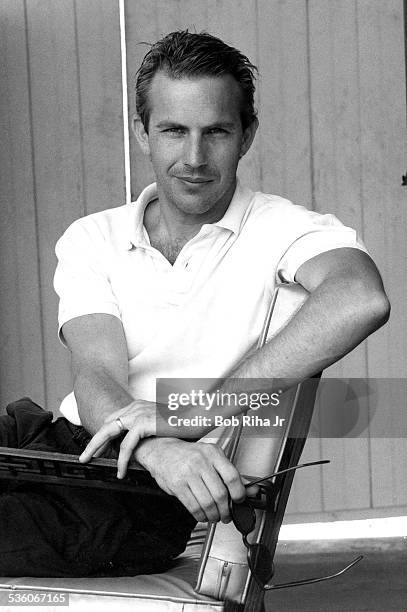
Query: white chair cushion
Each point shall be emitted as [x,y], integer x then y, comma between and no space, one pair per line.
[171,591]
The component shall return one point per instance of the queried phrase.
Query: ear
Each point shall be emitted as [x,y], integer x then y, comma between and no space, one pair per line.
[141,134]
[248,137]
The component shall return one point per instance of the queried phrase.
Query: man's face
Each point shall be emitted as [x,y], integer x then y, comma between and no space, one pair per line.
[195,140]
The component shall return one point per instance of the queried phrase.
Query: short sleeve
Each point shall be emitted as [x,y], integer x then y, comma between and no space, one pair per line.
[314,234]
[82,275]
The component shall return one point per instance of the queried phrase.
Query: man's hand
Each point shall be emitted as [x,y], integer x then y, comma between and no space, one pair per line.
[138,419]
[141,419]
[198,474]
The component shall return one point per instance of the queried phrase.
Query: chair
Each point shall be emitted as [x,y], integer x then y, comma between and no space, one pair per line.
[213,573]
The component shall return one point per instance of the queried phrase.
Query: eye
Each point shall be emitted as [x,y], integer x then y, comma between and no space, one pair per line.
[217,130]
[174,130]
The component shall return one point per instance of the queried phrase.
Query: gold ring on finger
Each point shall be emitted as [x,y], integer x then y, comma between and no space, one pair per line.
[119,423]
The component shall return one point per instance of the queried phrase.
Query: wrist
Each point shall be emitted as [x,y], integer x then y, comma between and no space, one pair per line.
[146,451]
[112,416]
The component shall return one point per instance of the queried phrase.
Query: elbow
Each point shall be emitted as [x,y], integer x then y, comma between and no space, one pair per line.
[369,306]
[384,310]
[377,309]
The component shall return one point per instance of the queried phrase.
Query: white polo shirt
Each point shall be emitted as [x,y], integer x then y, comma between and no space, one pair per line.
[198,317]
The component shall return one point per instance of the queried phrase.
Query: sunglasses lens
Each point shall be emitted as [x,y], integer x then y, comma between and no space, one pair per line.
[260,563]
[243,517]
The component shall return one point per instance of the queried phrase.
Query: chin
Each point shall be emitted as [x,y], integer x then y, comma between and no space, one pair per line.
[193,207]
[197,203]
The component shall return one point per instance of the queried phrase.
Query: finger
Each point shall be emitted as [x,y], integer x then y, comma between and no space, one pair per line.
[93,447]
[188,499]
[205,499]
[231,478]
[107,432]
[121,413]
[219,493]
[101,450]
[127,447]
[252,491]
[183,493]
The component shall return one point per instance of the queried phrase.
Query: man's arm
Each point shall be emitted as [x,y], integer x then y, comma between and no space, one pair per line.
[347,303]
[99,367]
[199,475]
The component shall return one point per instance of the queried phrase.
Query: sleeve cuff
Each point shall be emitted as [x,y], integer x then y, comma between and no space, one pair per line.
[65,315]
[312,244]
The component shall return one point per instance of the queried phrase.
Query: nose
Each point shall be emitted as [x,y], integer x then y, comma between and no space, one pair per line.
[194,152]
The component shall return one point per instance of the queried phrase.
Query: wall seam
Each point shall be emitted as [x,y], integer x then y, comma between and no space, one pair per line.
[259,89]
[362,218]
[80,110]
[311,127]
[126,135]
[35,200]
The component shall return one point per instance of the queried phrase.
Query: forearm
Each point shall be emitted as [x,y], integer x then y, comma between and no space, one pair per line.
[326,328]
[98,394]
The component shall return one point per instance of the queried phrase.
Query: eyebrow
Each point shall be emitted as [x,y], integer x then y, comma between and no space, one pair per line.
[169,124]
[219,124]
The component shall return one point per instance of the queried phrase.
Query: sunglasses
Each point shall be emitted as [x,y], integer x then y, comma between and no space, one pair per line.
[259,557]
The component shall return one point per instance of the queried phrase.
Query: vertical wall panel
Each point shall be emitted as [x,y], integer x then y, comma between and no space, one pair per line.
[141,27]
[195,16]
[100,99]
[59,184]
[284,100]
[383,149]
[21,354]
[63,129]
[235,21]
[383,145]
[335,133]
[168,16]
[335,126]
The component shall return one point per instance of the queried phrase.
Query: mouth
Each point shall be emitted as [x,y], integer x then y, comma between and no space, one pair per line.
[194,180]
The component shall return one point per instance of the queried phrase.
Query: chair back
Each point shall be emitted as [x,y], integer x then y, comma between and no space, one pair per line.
[224,573]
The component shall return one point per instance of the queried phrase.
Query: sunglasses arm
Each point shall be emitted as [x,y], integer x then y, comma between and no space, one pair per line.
[285,585]
[265,480]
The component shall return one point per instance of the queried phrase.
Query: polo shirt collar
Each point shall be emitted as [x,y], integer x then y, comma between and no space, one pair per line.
[233,217]
[231,220]
[137,235]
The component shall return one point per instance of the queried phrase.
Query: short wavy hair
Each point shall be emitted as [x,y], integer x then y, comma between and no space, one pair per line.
[186,54]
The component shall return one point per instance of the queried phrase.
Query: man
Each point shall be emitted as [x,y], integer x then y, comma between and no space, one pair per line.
[178,283]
